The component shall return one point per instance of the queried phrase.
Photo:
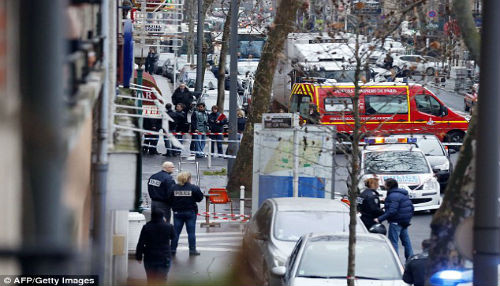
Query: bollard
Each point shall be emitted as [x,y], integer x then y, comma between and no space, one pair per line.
[209,159]
[242,202]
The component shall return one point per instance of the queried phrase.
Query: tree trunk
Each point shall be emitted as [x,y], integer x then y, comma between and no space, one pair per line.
[458,201]
[190,36]
[204,53]
[354,171]
[204,50]
[221,74]
[283,24]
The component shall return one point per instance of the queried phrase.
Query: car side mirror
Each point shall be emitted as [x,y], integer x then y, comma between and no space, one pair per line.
[444,111]
[452,151]
[279,271]
[436,170]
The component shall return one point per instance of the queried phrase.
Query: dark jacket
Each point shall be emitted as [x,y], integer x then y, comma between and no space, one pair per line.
[199,121]
[180,119]
[160,186]
[152,124]
[369,204]
[398,207]
[185,97]
[172,125]
[241,124]
[184,198]
[212,122]
[154,241]
[415,269]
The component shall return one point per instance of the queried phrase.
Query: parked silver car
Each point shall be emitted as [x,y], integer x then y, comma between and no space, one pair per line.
[273,231]
[321,259]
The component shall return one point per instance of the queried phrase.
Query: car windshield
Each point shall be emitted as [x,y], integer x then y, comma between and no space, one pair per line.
[328,259]
[290,226]
[430,147]
[386,162]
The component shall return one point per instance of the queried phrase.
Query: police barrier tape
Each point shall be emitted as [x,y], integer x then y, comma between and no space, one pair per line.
[152,132]
[197,133]
[189,139]
[194,152]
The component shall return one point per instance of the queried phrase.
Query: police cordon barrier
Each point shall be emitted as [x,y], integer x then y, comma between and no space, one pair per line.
[193,152]
[221,197]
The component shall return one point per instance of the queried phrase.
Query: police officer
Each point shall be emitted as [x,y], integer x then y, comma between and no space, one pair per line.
[369,203]
[154,246]
[184,197]
[416,266]
[159,188]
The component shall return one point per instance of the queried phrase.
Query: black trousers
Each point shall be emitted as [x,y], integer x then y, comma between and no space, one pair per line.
[165,208]
[156,271]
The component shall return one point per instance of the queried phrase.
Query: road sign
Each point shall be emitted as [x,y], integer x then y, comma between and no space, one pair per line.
[432,14]
[280,120]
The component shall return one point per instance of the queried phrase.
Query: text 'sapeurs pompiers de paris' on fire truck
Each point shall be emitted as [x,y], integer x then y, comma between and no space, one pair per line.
[385,108]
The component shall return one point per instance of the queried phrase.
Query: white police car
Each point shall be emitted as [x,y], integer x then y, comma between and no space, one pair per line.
[400,159]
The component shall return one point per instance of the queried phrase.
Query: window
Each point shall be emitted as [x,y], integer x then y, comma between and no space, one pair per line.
[387,162]
[326,257]
[386,104]
[406,58]
[293,257]
[428,104]
[291,225]
[338,104]
[300,103]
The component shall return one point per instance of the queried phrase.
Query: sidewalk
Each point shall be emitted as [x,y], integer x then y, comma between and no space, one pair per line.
[218,245]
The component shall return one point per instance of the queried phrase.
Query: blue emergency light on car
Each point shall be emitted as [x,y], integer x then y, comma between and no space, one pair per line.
[451,277]
[390,140]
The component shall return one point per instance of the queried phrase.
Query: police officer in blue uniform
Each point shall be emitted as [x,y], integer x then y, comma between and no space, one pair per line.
[369,203]
[184,197]
[159,187]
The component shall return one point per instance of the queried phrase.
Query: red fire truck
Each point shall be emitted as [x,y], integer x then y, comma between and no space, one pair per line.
[385,108]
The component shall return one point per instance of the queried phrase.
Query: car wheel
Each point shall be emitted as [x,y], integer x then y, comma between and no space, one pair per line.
[429,71]
[455,137]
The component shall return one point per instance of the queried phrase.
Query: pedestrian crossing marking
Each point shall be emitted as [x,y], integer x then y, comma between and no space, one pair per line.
[198,234]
